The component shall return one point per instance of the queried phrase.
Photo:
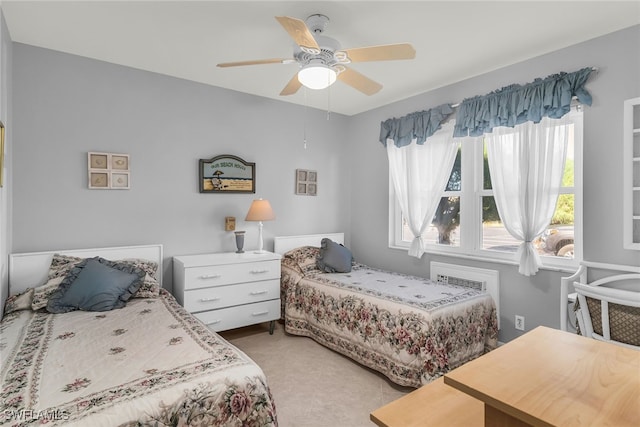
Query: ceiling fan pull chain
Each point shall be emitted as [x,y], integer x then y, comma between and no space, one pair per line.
[304,121]
[328,103]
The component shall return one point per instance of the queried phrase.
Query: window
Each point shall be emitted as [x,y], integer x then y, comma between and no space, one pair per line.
[467,221]
[446,223]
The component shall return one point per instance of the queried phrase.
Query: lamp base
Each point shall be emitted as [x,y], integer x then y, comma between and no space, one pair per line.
[260,250]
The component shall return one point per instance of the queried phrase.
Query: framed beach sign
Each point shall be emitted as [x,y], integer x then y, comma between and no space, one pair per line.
[227,174]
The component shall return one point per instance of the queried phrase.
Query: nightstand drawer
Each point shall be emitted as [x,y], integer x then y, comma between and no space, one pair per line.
[227,296]
[217,275]
[235,317]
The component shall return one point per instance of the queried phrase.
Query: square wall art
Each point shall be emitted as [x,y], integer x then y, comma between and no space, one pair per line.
[306,182]
[108,171]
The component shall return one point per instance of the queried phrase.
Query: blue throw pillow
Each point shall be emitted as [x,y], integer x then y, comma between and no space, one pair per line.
[333,257]
[96,284]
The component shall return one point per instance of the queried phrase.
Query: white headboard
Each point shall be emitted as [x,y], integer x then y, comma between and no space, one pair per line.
[28,270]
[282,244]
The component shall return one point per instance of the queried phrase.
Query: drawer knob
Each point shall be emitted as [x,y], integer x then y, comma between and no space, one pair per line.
[214,322]
[209,299]
[210,276]
[260,313]
[259,292]
[259,271]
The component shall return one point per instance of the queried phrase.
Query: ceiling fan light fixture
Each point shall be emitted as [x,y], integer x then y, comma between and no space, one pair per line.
[317,76]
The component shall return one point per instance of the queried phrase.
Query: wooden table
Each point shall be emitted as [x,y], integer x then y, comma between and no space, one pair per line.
[435,404]
[549,377]
[546,377]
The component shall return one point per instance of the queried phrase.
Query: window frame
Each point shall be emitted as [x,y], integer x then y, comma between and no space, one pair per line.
[471,194]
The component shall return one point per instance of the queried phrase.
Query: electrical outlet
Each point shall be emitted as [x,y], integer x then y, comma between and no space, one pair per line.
[520,323]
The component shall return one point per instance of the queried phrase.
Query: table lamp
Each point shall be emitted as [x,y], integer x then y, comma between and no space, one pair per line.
[260,210]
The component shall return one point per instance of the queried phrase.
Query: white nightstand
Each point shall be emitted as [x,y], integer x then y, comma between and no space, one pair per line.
[229,290]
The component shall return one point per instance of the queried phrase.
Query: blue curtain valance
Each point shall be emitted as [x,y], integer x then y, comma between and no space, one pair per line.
[419,125]
[516,104]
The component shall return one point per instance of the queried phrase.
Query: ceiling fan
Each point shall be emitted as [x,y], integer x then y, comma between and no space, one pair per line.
[322,61]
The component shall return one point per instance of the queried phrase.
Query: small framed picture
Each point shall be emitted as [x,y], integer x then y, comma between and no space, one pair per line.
[120,162]
[120,180]
[229,223]
[98,161]
[306,182]
[98,180]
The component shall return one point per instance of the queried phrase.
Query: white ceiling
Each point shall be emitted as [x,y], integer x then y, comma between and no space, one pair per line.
[454,40]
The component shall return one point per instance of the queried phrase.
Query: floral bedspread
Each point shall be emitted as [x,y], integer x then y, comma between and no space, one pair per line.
[410,329]
[149,363]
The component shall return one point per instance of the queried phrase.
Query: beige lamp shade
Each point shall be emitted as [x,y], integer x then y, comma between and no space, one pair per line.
[260,210]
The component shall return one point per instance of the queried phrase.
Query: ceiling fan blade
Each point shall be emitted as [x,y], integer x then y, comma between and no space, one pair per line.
[291,87]
[388,52]
[256,62]
[359,81]
[299,32]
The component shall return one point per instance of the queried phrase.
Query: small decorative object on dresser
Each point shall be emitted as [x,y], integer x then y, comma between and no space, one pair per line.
[239,241]
[230,223]
[229,290]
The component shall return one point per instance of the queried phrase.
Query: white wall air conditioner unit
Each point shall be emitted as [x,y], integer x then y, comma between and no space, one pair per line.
[480,278]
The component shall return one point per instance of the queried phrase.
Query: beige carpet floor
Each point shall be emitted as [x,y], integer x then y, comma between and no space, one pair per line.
[313,386]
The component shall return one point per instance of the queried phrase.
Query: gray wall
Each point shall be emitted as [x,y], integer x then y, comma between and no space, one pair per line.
[617,56]
[5,192]
[66,106]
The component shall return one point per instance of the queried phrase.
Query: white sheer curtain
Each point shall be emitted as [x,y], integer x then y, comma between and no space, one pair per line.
[526,164]
[420,173]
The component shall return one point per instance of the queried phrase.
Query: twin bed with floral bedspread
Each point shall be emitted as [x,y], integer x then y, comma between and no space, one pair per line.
[410,329]
[149,362]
